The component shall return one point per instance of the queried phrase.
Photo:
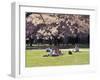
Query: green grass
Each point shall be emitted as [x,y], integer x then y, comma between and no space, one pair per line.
[34,58]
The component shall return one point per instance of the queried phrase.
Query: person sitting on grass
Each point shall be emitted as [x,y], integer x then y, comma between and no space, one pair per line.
[76,48]
[49,50]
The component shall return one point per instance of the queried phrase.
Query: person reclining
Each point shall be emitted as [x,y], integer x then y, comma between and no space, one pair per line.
[53,52]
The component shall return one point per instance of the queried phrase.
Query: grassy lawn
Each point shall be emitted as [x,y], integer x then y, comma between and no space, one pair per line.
[35,58]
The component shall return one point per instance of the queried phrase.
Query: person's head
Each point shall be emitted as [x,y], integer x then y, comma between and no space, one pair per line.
[70,52]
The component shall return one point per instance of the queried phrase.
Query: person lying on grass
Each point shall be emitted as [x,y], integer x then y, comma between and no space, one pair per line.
[56,52]
[53,52]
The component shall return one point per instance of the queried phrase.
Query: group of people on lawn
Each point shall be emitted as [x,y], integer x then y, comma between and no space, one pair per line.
[57,52]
